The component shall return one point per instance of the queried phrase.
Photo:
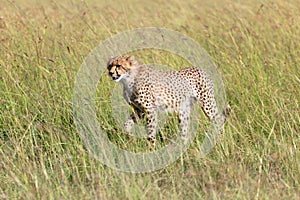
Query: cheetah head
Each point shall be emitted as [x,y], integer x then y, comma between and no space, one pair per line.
[118,67]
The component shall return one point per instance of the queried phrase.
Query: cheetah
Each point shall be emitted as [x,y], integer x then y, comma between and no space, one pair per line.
[147,90]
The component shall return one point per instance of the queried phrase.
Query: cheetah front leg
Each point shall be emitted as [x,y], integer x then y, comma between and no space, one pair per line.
[151,117]
[135,116]
[128,125]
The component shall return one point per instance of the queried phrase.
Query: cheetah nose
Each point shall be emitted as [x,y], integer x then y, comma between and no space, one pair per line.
[110,73]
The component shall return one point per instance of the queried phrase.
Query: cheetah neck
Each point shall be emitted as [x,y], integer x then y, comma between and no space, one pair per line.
[129,80]
[129,77]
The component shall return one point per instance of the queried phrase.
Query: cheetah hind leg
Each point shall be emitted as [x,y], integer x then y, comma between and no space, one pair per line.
[184,119]
[209,107]
[211,111]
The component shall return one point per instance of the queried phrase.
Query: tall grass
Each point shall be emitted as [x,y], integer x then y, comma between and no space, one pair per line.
[256,46]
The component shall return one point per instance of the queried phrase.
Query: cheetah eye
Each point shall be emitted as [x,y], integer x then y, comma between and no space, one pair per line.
[118,66]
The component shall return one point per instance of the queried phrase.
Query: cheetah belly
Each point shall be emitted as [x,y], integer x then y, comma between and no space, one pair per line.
[166,104]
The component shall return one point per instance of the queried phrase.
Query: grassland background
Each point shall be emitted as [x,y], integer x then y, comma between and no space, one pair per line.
[256,47]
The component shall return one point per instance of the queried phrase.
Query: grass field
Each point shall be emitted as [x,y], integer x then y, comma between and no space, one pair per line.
[256,47]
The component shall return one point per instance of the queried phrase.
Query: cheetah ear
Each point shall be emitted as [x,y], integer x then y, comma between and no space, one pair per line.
[132,60]
[110,60]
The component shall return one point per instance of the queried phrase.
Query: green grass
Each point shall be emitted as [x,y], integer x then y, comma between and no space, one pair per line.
[256,47]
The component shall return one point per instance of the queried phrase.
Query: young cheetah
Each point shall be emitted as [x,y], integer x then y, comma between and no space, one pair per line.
[147,90]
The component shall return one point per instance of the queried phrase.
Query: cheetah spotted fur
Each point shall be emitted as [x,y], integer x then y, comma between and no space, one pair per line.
[148,89]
